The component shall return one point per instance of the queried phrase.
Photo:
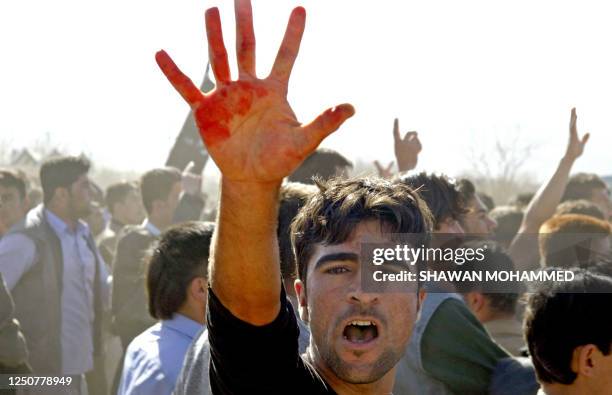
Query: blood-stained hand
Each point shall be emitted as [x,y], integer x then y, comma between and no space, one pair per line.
[247,125]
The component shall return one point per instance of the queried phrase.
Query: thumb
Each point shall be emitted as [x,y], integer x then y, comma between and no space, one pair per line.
[585,138]
[325,124]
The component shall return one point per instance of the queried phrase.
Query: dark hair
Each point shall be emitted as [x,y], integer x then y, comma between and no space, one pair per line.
[521,200]
[466,189]
[581,185]
[116,193]
[157,184]
[293,196]
[509,219]
[496,259]
[332,214]
[321,164]
[581,206]
[565,240]
[178,257]
[12,179]
[563,315]
[439,193]
[487,200]
[61,172]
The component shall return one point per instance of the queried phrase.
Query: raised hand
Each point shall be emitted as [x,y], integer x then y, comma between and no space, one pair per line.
[384,172]
[247,125]
[406,149]
[575,145]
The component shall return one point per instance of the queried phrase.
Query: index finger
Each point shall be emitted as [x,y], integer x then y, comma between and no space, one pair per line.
[573,117]
[179,81]
[396,131]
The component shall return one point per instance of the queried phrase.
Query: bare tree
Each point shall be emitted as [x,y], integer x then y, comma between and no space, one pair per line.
[497,169]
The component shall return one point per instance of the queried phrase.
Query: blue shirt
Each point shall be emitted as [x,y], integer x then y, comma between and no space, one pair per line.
[18,254]
[153,360]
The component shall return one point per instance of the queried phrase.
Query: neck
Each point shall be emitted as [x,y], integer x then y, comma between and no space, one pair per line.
[64,216]
[382,386]
[196,313]
[562,389]
[496,315]
[158,222]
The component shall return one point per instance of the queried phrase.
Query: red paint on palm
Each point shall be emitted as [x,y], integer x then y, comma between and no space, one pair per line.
[222,106]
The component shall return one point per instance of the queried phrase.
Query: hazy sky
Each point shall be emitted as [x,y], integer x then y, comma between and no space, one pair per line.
[462,73]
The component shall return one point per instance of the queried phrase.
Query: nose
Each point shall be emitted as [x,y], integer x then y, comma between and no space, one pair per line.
[357,295]
[491,224]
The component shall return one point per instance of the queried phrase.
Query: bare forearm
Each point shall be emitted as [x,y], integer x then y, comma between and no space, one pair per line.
[545,202]
[245,273]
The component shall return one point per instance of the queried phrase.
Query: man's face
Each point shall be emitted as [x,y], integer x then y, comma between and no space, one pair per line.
[131,209]
[477,220]
[12,206]
[168,207]
[357,336]
[601,198]
[79,197]
[173,198]
[450,226]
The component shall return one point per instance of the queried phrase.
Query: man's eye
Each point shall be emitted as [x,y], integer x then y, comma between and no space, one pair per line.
[337,270]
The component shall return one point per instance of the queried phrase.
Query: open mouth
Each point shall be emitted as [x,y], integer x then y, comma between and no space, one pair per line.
[360,332]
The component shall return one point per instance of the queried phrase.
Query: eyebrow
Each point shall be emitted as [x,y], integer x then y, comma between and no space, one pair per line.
[338,256]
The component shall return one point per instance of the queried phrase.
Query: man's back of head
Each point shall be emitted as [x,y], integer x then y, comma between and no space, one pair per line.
[591,187]
[568,329]
[580,206]
[573,240]
[293,196]
[324,163]
[441,196]
[509,219]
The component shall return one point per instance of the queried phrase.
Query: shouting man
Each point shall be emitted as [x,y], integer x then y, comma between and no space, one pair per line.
[255,139]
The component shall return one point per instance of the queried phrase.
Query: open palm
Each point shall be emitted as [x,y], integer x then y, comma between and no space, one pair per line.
[248,126]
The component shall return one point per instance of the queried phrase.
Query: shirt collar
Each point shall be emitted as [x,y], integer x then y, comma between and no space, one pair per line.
[184,325]
[151,228]
[60,227]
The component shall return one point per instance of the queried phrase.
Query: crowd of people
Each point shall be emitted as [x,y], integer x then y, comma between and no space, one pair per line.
[138,290]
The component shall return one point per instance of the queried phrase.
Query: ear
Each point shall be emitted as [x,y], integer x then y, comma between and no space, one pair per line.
[585,359]
[60,195]
[422,295]
[300,291]
[475,301]
[198,289]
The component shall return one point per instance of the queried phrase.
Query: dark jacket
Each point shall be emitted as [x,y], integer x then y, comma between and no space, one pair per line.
[13,351]
[129,304]
[38,296]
